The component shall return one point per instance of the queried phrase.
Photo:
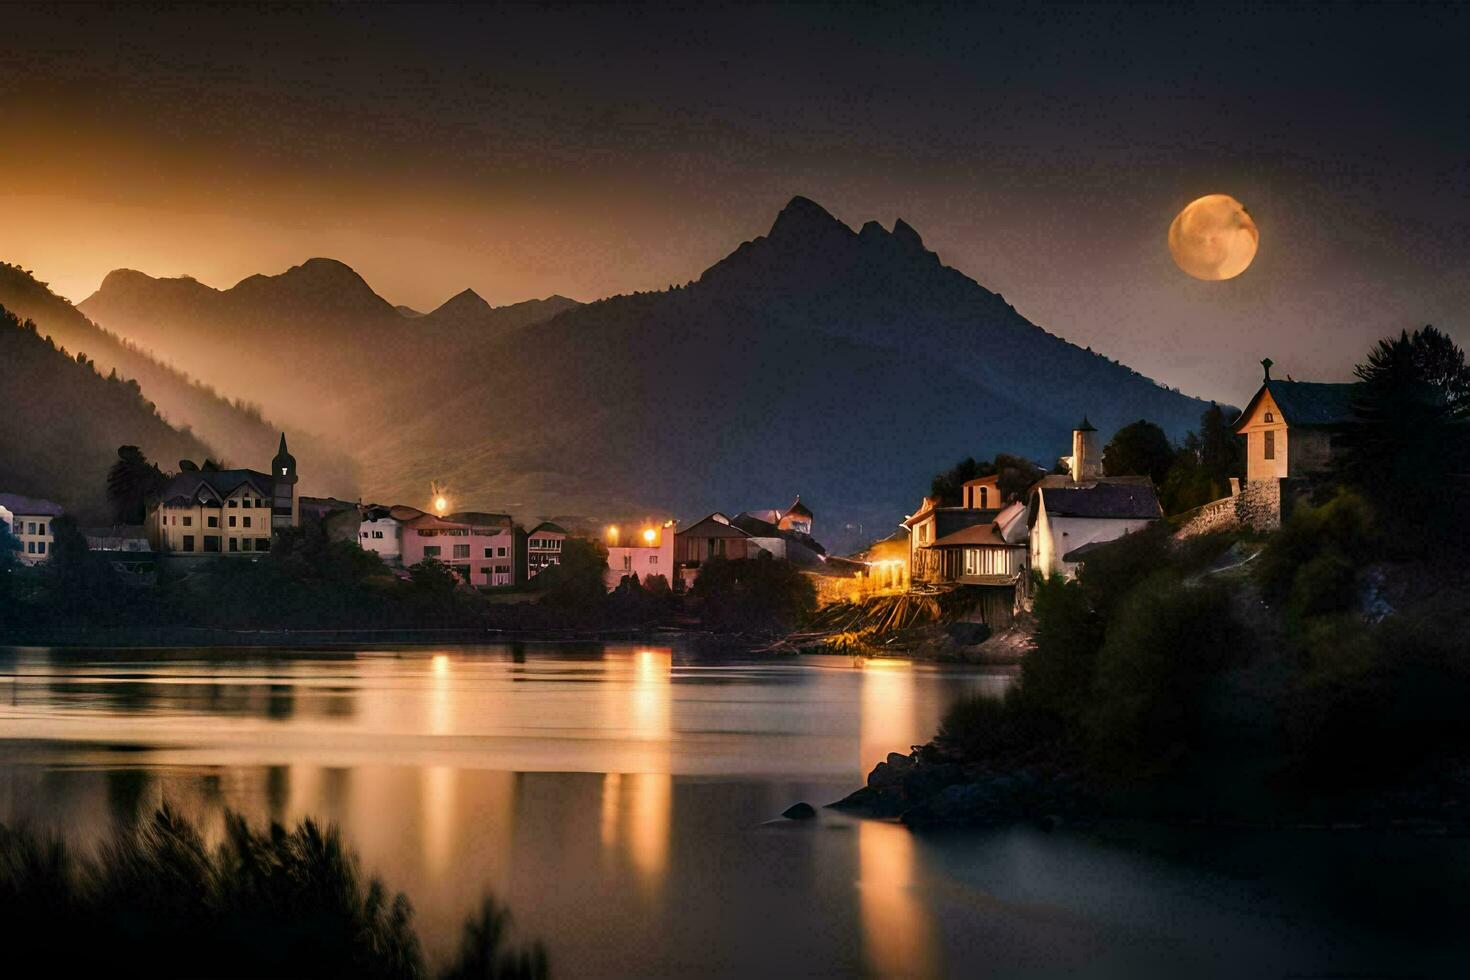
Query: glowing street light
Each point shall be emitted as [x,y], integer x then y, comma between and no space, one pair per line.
[612,533]
[649,536]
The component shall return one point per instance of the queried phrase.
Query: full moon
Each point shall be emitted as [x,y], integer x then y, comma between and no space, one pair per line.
[1213,238]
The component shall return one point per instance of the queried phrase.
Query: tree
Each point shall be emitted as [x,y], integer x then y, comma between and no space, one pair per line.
[1221,451]
[1016,474]
[1408,435]
[130,482]
[753,593]
[1139,449]
[949,485]
[577,580]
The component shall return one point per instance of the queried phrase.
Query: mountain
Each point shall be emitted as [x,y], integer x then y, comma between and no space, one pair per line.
[847,366]
[64,422]
[236,429]
[320,313]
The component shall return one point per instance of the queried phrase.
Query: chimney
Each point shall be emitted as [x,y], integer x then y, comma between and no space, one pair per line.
[1266,368]
[1086,460]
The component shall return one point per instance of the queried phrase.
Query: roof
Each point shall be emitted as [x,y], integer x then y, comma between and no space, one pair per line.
[982,481]
[481,518]
[1306,403]
[978,534]
[187,486]
[29,506]
[712,526]
[548,526]
[1103,500]
[798,508]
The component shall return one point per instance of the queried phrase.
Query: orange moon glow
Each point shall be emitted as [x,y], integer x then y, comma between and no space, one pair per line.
[1213,238]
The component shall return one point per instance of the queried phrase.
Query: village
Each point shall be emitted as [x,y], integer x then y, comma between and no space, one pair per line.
[994,541]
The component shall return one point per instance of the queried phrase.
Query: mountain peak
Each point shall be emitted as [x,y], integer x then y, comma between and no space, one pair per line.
[804,217]
[466,302]
[904,232]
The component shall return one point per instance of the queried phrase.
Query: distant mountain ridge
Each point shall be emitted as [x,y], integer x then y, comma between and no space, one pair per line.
[234,429]
[848,366]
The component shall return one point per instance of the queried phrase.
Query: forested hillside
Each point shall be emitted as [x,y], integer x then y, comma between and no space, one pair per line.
[64,421]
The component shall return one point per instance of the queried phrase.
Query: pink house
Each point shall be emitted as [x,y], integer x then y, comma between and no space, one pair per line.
[479,547]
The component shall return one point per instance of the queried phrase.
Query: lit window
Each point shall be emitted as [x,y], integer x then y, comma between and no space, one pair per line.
[1270,417]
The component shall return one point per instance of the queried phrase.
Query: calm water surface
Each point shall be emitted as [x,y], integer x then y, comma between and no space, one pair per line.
[621,800]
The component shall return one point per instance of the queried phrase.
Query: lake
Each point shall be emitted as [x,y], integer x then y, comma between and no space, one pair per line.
[624,799]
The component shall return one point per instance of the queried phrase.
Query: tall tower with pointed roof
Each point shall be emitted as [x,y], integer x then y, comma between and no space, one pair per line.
[1086,460]
[285,510]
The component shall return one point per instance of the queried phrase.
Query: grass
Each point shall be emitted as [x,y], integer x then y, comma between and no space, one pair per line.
[158,899]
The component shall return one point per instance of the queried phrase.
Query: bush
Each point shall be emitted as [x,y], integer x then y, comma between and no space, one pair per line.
[1057,675]
[1342,527]
[1164,645]
[268,903]
[984,727]
[746,594]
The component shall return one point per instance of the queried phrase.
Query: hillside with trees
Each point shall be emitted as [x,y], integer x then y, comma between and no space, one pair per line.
[64,421]
[235,428]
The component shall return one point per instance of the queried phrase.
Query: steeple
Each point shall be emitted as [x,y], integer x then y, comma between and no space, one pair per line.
[284,509]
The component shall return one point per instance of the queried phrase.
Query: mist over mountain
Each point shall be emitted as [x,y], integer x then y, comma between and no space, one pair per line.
[64,423]
[234,427]
[847,366]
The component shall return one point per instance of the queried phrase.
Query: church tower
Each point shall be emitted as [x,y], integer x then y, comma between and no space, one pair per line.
[1086,460]
[285,512]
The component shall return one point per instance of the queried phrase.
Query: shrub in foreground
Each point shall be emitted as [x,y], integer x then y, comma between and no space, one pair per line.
[158,899]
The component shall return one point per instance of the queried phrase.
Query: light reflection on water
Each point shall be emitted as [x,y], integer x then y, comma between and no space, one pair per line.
[619,798]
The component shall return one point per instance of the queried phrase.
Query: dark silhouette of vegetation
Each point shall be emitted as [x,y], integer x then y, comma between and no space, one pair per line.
[1410,435]
[753,594]
[1204,464]
[130,483]
[272,902]
[1139,449]
[64,422]
[577,580]
[1015,474]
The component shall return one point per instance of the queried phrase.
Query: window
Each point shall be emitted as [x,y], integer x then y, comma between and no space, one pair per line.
[1270,448]
[234,543]
[212,520]
[33,527]
[627,562]
[232,520]
[488,554]
[188,539]
[1270,416]
[363,534]
[431,551]
[247,503]
[211,543]
[378,535]
[653,559]
[188,522]
[30,547]
[231,504]
[262,544]
[42,526]
[461,551]
[984,496]
[499,552]
[245,519]
[40,547]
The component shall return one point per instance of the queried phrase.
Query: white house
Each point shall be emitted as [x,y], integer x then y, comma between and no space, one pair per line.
[1067,512]
[382,533]
[543,547]
[30,520]
[641,550]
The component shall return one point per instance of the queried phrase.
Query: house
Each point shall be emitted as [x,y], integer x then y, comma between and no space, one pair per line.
[885,563]
[713,536]
[642,550]
[929,524]
[1290,427]
[988,554]
[982,493]
[543,547]
[796,519]
[1066,512]
[479,548]
[380,530]
[31,524]
[208,512]
[782,540]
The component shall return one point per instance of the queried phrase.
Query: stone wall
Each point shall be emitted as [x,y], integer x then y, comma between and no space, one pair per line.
[1255,504]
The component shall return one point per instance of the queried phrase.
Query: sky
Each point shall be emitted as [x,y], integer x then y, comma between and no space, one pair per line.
[589,150]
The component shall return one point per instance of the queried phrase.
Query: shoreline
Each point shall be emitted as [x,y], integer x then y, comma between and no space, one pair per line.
[181,637]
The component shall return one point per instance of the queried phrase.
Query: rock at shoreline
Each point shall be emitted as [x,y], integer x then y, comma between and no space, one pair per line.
[799,811]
